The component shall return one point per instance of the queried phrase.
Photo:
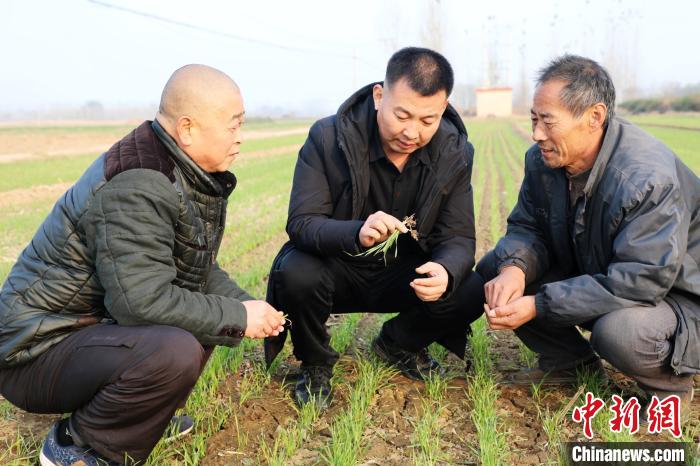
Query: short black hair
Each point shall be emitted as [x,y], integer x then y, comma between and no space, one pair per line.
[588,83]
[426,71]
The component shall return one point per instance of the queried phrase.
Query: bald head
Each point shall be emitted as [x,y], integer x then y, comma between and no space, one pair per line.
[194,90]
[202,109]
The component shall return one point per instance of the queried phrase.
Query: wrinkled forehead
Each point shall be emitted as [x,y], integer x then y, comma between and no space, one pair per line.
[546,101]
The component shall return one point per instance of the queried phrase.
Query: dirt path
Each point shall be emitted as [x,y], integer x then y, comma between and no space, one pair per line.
[31,146]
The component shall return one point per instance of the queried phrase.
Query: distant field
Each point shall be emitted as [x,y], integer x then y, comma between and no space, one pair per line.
[691,121]
[244,414]
[681,133]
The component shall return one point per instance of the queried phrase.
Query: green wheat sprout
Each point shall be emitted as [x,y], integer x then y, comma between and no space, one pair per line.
[385,246]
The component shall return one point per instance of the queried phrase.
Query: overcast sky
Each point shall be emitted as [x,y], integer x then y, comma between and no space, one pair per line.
[308,56]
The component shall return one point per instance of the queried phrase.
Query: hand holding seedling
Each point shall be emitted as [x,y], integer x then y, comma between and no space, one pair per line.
[512,315]
[506,287]
[378,227]
[434,285]
[263,320]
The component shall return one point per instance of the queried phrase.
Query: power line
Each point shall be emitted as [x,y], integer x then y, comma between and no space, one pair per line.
[225,34]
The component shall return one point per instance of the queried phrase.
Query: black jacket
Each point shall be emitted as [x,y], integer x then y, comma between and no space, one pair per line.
[135,240]
[636,237]
[331,185]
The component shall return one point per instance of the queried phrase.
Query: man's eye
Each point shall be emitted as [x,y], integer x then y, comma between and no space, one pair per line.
[401,118]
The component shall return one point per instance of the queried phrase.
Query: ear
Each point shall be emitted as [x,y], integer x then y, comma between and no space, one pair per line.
[377,94]
[183,128]
[596,116]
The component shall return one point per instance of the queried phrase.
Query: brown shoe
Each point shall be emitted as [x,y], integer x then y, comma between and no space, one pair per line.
[537,376]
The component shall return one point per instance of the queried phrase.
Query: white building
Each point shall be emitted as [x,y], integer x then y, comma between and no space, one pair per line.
[494,101]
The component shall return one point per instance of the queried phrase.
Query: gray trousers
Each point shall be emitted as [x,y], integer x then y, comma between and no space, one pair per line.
[121,384]
[637,341]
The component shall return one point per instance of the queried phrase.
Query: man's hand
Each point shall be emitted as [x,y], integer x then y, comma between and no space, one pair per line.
[263,320]
[506,287]
[512,315]
[378,227]
[432,287]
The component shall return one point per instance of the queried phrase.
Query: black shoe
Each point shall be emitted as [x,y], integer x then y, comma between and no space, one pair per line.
[415,366]
[179,427]
[314,385]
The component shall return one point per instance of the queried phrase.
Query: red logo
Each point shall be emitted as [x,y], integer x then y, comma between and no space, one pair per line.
[587,412]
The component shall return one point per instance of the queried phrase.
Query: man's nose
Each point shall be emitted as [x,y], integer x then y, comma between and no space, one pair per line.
[538,134]
[410,131]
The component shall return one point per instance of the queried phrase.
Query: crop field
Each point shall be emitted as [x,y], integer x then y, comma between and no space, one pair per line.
[244,413]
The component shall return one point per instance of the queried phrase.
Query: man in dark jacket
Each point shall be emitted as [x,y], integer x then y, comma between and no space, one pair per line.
[393,150]
[605,236]
[112,310]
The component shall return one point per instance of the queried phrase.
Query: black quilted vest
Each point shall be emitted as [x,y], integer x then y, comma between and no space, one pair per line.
[203,198]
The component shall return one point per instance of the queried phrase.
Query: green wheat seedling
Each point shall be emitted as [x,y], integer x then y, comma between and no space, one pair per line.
[241,435]
[426,436]
[438,352]
[344,332]
[592,381]
[483,393]
[553,424]
[689,435]
[345,446]
[385,246]
[292,437]
[253,383]
[6,410]
[208,410]
[536,389]
[23,449]
[527,357]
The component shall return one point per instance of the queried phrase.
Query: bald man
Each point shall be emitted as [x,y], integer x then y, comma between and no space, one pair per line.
[112,310]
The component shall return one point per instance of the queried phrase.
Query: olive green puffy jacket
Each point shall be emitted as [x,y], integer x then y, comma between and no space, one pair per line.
[134,240]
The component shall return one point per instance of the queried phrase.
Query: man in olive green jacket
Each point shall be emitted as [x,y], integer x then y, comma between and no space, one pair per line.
[111,311]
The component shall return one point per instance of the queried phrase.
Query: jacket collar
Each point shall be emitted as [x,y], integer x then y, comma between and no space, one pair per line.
[605,153]
[217,184]
[607,148]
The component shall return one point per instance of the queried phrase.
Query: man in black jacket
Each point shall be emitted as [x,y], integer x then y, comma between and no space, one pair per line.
[605,236]
[394,150]
[112,310]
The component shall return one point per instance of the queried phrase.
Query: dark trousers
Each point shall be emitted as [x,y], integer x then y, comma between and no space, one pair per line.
[121,384]
[638,341]
[309,288]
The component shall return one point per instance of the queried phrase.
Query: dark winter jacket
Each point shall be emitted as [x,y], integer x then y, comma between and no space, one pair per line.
[331,186]
[134,240]
[636,237]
